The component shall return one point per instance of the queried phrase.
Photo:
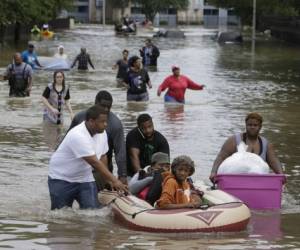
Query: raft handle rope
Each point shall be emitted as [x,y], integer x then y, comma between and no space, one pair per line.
[135,214]
[132,215]
[112,201]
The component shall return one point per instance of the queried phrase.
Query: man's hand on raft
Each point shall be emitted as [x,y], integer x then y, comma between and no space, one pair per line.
[120,187]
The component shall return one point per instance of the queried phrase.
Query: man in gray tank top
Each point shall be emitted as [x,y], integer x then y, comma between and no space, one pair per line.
[256,144]
[19,76]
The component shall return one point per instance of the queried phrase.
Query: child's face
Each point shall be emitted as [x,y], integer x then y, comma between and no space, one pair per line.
[182,172]
[160,167]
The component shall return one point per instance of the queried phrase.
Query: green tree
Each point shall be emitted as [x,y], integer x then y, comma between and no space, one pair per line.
[29,11]
[151,7]
[244,8]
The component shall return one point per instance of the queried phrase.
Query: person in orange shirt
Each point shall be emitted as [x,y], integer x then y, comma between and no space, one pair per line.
[177,192]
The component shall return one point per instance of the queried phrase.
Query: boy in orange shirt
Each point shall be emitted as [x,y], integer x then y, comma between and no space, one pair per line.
[177,191]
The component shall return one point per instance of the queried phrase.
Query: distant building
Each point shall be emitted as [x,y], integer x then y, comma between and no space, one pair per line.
[193,14]
[167,16]
[198,12]
[80,11]
[215,17]
[87,11]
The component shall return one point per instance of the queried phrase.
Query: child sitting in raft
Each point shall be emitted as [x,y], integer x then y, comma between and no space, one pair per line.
[177,191]
[147,183]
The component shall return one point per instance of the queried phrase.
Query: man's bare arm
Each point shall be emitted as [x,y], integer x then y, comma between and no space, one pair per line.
[135,160]
[100,167]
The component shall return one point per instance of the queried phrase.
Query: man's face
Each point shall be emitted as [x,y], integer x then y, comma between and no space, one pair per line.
[30,49]
[137,64]
[100,124]
[18,59]
[106,104]
[125,54]
[253,127]
[147,129]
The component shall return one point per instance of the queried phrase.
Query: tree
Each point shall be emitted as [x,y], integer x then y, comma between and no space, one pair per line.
[151,7]
[19,12]
[31,10]
[244,8]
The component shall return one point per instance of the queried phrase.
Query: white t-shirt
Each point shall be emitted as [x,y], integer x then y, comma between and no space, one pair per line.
[67,163]
[61,56]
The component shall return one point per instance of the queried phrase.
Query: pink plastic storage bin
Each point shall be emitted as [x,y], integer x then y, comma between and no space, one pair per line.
[258,191]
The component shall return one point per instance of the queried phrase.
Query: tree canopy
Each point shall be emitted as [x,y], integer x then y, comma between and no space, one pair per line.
[244,8]
[151,7]
[21,11]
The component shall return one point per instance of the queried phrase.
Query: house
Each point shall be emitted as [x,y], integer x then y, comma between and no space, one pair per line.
[87,11]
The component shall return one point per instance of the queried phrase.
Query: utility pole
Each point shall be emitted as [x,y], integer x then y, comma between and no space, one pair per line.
[253,35]
[103,11]
[254,20]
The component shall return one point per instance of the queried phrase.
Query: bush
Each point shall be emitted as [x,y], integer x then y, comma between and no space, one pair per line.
[163,22]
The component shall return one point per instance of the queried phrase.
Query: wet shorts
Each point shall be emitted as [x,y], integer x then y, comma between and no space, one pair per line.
[63,194]
[138,97]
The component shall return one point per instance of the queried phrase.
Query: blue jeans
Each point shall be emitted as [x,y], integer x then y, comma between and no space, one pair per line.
[172,99]
[63,194]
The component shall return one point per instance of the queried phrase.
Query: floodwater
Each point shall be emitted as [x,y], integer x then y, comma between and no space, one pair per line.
[237,82]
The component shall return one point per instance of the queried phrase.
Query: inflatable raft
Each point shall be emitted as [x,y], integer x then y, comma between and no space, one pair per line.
[47,34]
[228,214]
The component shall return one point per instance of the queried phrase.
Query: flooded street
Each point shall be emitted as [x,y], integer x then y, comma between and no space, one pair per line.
[236,83]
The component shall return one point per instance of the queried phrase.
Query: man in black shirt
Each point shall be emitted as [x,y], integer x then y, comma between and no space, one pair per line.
[149,53]
[122,65]
[142,142]
[83,60]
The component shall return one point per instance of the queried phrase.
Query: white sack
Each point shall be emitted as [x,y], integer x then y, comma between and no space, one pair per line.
[243,162]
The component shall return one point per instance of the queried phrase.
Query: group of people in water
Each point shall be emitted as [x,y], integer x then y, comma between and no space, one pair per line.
[133,75]
[143,161]
[82,164]
[19,73]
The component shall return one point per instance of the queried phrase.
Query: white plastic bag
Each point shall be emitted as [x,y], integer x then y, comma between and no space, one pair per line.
[243,162]
[52,63]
